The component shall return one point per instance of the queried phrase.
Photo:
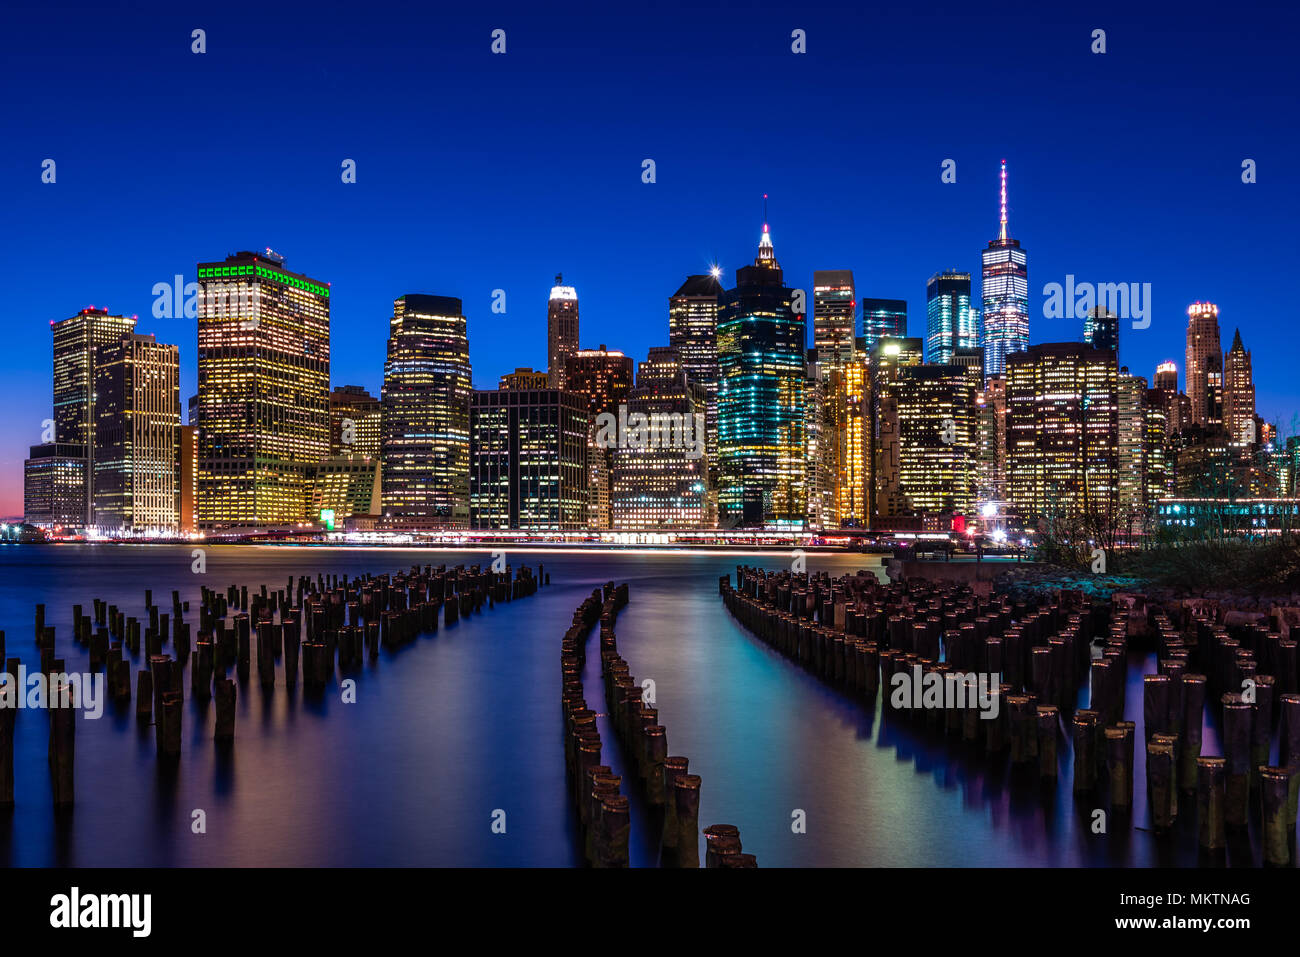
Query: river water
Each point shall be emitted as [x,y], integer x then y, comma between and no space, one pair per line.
[452,728]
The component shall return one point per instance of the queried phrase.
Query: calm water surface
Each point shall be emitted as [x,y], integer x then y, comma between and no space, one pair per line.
[452,727]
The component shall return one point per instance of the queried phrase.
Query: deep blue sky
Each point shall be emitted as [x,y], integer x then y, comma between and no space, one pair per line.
[478,172]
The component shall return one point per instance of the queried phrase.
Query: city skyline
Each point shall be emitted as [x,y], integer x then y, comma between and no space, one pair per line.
[886,215]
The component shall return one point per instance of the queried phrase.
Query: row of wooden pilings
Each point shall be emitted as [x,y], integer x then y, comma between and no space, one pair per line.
[1251,672]
[327,623]
[664,780]
[857,633]
[604,814]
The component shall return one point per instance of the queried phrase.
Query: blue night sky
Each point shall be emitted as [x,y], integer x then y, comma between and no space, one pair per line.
[477,172]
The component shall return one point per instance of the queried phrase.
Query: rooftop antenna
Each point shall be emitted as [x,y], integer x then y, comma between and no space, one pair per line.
[1003,234]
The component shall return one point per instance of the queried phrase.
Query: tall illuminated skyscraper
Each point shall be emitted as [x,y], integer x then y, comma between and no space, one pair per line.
[693,332]
[880,318]
[528,455]
[938,434]
[853,484]
[1005,295]
[760,398]
[561,330]
[137,415]
[662,485]
[833,307]
[77,341]
[890,356]
[1176,405]
[604,378]
[1062,431]
[950,324]
[264,373]
[1239,394]
[1131,423]
[424,457]
[1204,360]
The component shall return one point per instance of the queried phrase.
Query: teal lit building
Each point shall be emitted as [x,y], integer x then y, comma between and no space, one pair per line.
[950,323]
[761,354]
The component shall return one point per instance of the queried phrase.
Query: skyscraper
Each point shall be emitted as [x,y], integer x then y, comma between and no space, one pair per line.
[889,357]
[1005,295]
[760,397]
[1204,358]
[833,305]
[604,379]
[938,431]
[77,341]
[662,484]
[1101,329]
[137,415]
[561,330]
[54,485]
[1177,407]
[1131,453]
[1239,394]
[424,455]
[950,322]
[693,332]
[528,456]
[853,484]
[823,441]
[1062,431]
[880,318]
[356,422]
[264,372]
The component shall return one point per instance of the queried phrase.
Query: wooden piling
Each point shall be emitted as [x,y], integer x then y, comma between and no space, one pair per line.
[1211,800]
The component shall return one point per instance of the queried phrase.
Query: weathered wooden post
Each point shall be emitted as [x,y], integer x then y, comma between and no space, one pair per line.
[1047,723]
[1119,761]
[1210,802]
[224,695]
[8,716]
[1237,715]
[686,794]
[62,742]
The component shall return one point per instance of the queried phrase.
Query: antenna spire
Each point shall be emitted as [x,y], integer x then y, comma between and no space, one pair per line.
[1003,233]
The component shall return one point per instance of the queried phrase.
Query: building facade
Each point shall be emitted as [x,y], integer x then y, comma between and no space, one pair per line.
[1204,362]
[1005,295]
[950,323]
[528,456]
[1062,431]
[881,318]
[356,422]
[1239,394]
[659,478]
[761,363]
[77,341]
[561,330]
[424,451]
[263,375]
[134,472]
[834,304]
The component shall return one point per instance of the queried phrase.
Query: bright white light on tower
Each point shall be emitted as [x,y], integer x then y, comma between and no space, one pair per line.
[715,271]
